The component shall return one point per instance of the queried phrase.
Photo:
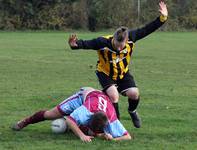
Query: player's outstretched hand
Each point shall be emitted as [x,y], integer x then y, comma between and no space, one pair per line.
[163,8]
[72,41]
[86,138]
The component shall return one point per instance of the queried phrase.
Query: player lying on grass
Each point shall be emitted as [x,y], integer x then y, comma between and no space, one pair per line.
[89,113]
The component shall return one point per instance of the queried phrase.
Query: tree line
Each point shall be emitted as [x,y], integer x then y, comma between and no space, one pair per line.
[93,14]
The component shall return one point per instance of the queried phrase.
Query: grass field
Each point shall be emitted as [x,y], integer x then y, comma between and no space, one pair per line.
[38,70]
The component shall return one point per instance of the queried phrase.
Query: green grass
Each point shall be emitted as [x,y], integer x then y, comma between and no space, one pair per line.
[38,70]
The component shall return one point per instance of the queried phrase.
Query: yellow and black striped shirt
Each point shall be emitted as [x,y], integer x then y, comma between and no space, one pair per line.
[112,62]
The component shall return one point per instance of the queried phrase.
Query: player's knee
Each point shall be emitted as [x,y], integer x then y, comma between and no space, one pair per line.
[133,93]
[48,115]
[52,114]
[113,94]
[114,97]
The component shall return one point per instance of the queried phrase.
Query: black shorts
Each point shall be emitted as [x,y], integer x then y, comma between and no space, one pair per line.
[122,84]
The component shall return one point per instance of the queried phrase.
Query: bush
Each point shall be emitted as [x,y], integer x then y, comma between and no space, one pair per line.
[92,14]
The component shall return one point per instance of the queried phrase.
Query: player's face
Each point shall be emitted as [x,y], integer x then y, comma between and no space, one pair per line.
[119,45]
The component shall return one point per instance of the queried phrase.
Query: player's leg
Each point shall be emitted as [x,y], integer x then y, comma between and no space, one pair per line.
[127,87]
[113,94]
[39,116]
[64,108]
[109,87]
[133,100]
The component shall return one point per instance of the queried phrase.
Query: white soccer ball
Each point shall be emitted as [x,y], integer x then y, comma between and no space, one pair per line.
[58,125]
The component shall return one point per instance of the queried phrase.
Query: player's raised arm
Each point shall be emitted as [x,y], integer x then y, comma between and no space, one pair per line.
[140,33]
[94,44]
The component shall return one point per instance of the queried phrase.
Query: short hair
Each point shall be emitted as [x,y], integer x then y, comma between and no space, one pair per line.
[98,122]
[121,34]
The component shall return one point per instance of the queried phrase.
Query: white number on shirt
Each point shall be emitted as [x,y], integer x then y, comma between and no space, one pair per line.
[102,105]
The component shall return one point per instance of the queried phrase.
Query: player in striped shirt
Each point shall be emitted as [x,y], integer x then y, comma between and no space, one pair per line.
[114,57]
[88,113]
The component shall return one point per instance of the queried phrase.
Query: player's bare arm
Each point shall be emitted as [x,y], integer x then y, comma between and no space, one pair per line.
[124,137]
[73,126]
[109,137]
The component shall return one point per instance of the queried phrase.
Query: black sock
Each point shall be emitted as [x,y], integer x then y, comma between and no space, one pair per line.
[133,104]
[117,110]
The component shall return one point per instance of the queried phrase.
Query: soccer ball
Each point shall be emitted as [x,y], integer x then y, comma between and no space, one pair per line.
[58,125]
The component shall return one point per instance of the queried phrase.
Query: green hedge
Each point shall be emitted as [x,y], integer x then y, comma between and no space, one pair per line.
[92,14]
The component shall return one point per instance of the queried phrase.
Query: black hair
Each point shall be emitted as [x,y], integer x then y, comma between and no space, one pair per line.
[98,122]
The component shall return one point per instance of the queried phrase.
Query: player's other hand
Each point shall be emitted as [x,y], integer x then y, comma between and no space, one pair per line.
[163,8]
[72,41]
[86,138]
[108,136]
